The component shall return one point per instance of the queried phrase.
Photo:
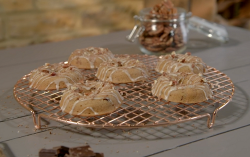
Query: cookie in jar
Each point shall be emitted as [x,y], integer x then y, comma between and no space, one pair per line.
[162,29]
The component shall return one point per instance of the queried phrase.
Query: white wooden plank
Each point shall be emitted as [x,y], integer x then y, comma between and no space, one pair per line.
[225,58]
[232,144]
[23,126]
[9,107]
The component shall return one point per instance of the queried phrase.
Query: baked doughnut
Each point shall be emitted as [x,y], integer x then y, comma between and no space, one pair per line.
[180,63]
[90,99]
[122,70]
[89,58]
[54,76]
[182,87]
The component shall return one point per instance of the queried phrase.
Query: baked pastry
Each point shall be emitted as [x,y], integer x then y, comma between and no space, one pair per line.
[54,76]
[89,58]
[90,99]
[180,63]
[122,70]
[182,87]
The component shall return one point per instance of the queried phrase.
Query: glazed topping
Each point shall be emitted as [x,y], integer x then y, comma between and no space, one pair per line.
[56,69]
[174,81]
[90,90]
[121,64]
[173,62]
[173,54]
[58,72]
[91,54]
[125,62]
[182,58]
[91,51]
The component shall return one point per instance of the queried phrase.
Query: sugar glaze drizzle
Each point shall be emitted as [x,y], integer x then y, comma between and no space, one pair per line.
[91,54]
[174,62]
[108,69]
[168,83]
[90,90]
[55,73]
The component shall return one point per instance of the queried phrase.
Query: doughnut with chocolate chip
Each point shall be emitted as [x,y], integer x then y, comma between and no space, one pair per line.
[122,70]
[90,98]
[180,63]
[54,76]
[182,87]
[89,58]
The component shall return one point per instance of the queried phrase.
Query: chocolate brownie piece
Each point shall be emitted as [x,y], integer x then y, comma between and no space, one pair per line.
[47,153]
[82,151]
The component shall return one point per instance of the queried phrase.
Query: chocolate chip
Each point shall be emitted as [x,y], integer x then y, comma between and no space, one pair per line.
[119,64]
[82,150]
[65,66]
[47,153]
[106,99]
[45,71]
[53,74]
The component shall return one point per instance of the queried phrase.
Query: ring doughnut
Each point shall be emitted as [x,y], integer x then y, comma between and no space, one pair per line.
[90,99]
[89,58]
[122,70]
[54,76]
[180,63]
[182,87]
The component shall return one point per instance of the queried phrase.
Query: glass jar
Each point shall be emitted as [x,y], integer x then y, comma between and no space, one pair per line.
[160,35]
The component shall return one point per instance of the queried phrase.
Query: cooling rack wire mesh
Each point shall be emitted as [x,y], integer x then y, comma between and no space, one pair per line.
[139,109]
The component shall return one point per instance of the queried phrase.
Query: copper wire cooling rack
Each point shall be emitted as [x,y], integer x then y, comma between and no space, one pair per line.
[139,109]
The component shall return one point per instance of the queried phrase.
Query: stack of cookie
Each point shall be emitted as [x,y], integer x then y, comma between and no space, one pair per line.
[163,30]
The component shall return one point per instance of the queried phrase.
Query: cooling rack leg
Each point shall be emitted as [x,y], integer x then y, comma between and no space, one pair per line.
[33,116]
[211,119]
[34,121]
[37,125]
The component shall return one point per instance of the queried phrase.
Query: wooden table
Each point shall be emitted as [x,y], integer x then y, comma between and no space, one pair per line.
[228,137]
